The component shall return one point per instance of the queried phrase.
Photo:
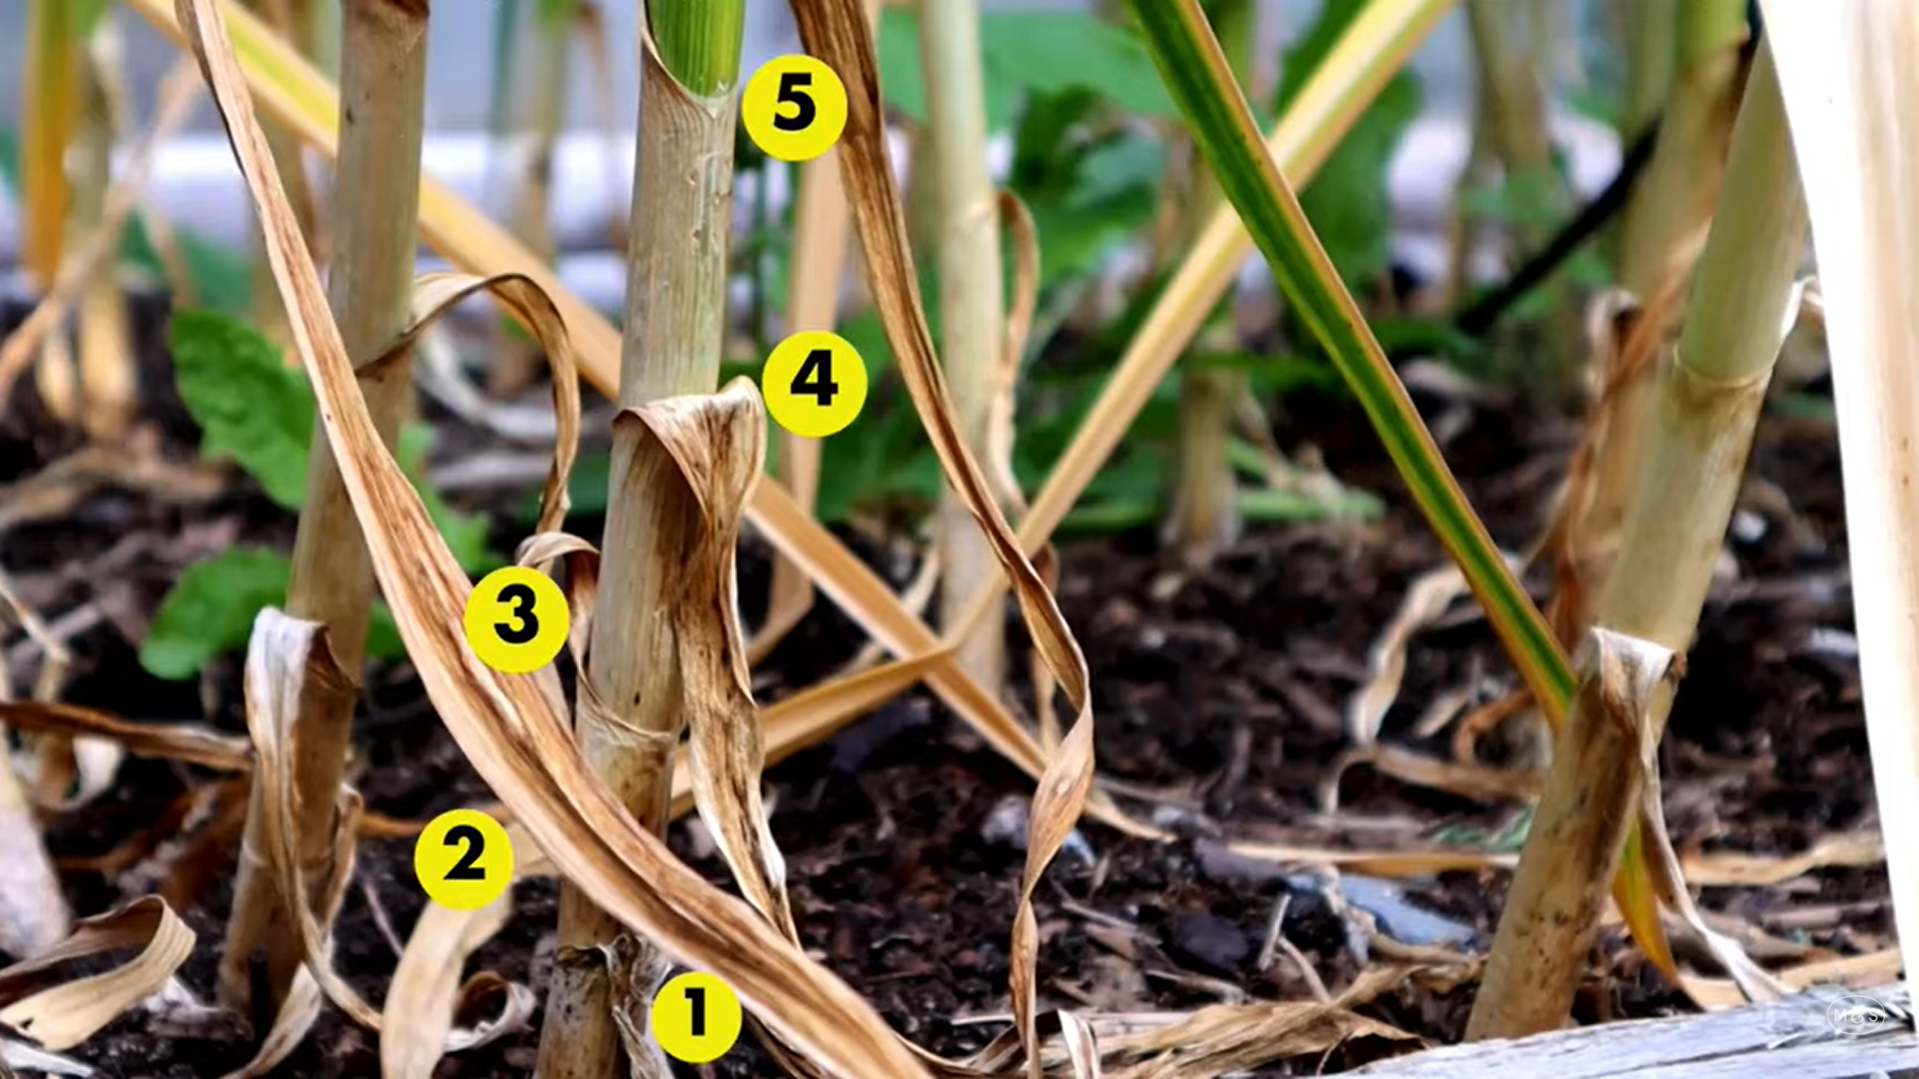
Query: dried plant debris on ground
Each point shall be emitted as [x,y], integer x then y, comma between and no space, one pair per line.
[1222,698]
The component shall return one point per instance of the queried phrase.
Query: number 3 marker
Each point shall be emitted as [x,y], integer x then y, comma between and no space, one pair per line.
[516,619]
[794,107]
[814,383]
[464,859]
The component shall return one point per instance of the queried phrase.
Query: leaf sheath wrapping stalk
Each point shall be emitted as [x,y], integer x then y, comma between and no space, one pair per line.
[1560,887]
[675,332]
[1706,401]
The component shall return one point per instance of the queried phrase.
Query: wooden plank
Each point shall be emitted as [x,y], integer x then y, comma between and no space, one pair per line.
[1788,1039]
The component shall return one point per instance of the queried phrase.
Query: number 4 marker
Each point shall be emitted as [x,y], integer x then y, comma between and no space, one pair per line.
[814,384]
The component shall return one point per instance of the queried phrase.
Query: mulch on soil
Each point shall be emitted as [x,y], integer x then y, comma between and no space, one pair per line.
[1220,693]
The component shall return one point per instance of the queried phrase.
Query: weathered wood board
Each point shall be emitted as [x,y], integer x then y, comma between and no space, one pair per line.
[1789,1039]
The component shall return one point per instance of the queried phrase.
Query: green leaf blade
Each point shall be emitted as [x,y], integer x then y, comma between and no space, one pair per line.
[1222,124]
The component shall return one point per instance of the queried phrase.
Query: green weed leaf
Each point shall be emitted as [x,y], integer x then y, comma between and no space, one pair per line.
[251,407]
[211,609]
[1026,52]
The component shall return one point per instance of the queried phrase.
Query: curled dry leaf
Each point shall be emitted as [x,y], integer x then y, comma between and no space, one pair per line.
[715,444]
[289,666]
[425,994]
[1670,883]
[435,294]
[837,32]
[1427,599]
[284,656]
[1572,540]
[62,1014]
[507,727]
[1018,220]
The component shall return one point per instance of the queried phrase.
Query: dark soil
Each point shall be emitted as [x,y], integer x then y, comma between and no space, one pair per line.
[1220,693]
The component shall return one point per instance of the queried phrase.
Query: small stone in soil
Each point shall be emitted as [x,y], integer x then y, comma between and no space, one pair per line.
[1209,942]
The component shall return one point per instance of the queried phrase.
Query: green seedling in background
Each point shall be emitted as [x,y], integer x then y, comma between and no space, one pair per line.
[259,413]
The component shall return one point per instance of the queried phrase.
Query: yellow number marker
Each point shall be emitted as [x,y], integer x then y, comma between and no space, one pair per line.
[516,619]
[794,107]
[814,383]
[464,859]
[696,1017]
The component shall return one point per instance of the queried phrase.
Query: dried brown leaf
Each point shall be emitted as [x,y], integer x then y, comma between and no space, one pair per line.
[505,724]
[1228,1038]
[1000,430]
[290,666]
[189,742]
[425,994]
[62,1014]
[436,294]
[1734,869]
[837,32]
[1662,864]
[1388,863]
[715,443]
[1857,971]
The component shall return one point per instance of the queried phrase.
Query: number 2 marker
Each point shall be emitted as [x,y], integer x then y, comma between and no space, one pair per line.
[463,859]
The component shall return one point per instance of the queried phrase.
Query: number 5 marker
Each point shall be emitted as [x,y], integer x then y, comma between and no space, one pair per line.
[814,384]
[794,107]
